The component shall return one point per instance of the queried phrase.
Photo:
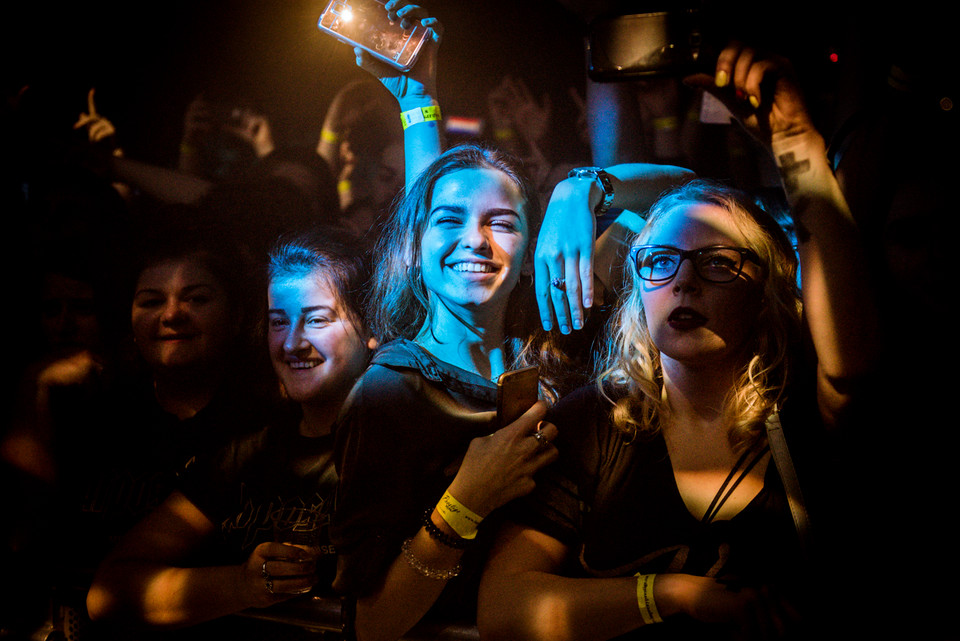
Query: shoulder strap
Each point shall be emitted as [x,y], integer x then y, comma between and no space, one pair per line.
[784,463]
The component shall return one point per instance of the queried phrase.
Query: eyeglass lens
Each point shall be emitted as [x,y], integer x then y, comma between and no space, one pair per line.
[715,264]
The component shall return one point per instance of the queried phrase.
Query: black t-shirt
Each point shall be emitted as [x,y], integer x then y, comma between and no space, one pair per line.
[400,440]
[616,505]
[275,478]
[120,455]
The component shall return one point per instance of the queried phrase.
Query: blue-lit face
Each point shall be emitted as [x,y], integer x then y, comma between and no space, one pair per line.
[475,243]
[315,348]
[691,319]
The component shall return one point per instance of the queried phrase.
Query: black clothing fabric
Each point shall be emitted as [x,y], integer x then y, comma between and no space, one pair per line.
[119,455]
[122,454]
[399,443]
[616,505]
[273,479]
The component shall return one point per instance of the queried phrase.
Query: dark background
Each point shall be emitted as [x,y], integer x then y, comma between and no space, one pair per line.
[148,60]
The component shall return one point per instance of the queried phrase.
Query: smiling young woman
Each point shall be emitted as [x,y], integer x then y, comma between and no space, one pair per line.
[420,425]
[235,509]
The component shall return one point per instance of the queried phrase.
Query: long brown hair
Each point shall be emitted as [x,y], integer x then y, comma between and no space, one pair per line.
[399,305]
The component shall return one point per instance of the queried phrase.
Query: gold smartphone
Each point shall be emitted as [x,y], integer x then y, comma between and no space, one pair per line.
[364,24]
[517,391]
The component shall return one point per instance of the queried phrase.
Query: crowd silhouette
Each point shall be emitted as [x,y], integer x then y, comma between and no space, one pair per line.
[260,281]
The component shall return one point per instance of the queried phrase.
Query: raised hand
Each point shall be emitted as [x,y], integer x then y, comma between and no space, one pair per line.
[760,90]
[98,128]
[254,129]
[563,264]
[420,82]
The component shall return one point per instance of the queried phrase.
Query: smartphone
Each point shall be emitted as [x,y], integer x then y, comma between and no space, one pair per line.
[517,391]
[364,24]
[665,43]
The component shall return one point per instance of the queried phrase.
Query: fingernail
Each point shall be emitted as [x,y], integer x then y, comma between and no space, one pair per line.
[564,329]
[547,326]
[722,78]
[578,324]
[754,101]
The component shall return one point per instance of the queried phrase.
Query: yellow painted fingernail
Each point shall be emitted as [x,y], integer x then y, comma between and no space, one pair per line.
[754,101]
[722,78]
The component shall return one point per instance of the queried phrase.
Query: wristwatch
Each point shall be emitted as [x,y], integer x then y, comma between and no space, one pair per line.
[603,180]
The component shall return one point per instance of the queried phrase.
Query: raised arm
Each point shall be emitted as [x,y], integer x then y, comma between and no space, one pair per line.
[568,248]
[839,306]
[143,580]
[415,91]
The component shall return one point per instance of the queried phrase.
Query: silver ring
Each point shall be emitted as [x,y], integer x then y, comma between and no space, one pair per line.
[269,585]
[559,283]
[540,438]
[263,571]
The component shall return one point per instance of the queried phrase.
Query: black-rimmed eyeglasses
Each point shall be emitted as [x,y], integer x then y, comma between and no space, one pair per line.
[660,263]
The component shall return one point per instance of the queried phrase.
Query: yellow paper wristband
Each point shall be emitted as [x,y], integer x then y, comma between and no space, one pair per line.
[327,135]
[460,518]
[420,114]
[645,600]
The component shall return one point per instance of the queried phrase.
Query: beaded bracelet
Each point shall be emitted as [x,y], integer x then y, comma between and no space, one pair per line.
[423,569]
[442,537]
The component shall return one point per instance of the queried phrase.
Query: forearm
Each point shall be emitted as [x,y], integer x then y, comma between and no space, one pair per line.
[421,141]
[166,185]
[164,596]
[838,302]
[540,606]
[636,187]
[406,594]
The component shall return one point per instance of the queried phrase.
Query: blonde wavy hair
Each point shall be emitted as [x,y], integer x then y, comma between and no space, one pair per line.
[629,368]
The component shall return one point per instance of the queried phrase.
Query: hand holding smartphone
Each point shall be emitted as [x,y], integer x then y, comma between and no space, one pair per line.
[517,391]
[365,24]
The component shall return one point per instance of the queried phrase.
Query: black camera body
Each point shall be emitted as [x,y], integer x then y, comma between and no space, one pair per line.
[644,45]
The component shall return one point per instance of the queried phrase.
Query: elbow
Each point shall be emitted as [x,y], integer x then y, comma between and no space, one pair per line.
[843,398]
[539,619]
[101,603]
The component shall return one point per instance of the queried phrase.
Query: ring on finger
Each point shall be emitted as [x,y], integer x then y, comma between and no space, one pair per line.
[539,437]
[268,583]
[559,283]
[263,571]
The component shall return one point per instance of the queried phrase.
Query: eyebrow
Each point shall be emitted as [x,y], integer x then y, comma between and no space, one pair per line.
[304,310]
[186,290]
[457,209]
[460,209]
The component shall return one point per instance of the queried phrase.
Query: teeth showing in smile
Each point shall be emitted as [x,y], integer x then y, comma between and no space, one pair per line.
[303,364]
[480,268]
